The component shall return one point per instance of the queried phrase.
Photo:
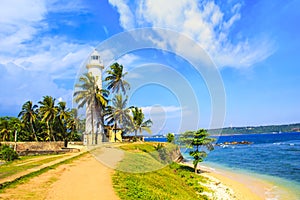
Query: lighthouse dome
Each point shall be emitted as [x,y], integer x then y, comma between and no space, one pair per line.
[94,60]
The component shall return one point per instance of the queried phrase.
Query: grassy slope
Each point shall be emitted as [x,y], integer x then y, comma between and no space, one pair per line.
[171,181]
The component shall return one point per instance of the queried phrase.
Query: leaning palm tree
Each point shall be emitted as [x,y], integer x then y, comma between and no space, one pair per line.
[48,112]
[62,118]
[118,113]
[28,116]
[115,79]
[139,125]
[5,129]
[88,94]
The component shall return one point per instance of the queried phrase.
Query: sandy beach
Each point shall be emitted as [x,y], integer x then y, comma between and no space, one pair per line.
[234,185]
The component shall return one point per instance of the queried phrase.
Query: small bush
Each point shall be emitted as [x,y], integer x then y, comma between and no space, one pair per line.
[8,154]
[170,137]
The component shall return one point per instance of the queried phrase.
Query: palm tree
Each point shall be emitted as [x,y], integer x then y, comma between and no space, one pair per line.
[62,118]
[89,95]
[48,112]
[73,123]
[5,129]
[139,125]
[118,113]
[116,79]
[28,116]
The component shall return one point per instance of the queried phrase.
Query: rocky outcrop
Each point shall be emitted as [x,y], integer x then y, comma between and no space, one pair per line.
[234,143]
[176,155]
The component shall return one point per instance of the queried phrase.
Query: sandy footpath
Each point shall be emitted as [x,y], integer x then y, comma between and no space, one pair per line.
[85,178]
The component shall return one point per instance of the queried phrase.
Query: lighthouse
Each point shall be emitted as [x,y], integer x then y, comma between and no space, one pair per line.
[93,126]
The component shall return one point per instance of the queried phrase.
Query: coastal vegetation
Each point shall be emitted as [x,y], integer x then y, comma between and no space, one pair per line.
[170,137]
[170,181]
[198,141]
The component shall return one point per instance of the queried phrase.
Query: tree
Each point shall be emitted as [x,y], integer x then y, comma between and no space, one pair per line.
[5,129]
[170,137]
[89,95]
[48,112]
[28,116]
[116,80]
[139,124]
[119,113]
[200,139]
[73,125]
[62,118]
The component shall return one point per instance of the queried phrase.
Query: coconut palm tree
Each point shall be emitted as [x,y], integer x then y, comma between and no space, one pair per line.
[5,129]
[115,79]
[73,123]
[48,112]
[28,116]
[62,118]
[118,113]
[139,125]
[88,94]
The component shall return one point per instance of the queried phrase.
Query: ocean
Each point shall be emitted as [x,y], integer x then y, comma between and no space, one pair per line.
[275,157]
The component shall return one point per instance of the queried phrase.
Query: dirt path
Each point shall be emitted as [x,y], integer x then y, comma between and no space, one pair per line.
[85,178]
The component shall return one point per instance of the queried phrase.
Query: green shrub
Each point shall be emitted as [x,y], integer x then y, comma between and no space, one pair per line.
[7,153]
[170,137]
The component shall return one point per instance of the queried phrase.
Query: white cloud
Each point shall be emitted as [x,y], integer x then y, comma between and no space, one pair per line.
[158,109]
[31,61]
[204,22]
[126,19]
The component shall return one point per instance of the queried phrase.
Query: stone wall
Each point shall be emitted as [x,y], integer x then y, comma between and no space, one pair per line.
[36,146]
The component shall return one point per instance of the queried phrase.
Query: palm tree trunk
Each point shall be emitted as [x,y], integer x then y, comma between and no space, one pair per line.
[48,130]
[116,132]
[51,131]
[33,131]
[135,134]
[92,122]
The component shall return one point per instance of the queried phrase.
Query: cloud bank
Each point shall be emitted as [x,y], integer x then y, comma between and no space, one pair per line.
[32,59]
[206,22]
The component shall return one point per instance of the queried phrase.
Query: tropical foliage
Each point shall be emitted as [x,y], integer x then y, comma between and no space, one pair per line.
[51,121]
[113,111]
[47,122]
[170,137]
[139,125]
[116,80]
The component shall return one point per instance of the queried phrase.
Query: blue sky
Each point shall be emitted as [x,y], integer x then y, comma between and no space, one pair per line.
[254,45]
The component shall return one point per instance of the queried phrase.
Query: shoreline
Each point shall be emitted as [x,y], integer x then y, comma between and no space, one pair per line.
[247,185]
[228,184]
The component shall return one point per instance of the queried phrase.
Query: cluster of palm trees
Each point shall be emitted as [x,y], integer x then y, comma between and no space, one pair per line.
[112,112]
[51,121]
[46,121]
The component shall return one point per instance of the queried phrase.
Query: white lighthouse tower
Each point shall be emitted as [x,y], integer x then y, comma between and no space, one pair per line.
[93,126]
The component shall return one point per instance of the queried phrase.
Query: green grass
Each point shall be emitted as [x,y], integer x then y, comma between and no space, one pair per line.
[172,181]
[25,163]
[27,177]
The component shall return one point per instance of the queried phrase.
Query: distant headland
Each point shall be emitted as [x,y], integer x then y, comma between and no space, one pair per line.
[257,129]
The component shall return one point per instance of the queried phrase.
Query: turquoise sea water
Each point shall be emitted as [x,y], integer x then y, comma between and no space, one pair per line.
[273,157]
